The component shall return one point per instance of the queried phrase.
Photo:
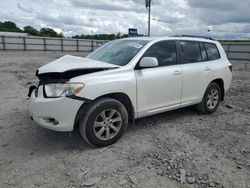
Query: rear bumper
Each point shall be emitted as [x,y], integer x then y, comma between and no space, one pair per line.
[228,82]
[54,113]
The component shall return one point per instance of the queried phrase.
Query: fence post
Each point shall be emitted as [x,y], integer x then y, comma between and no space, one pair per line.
[4,47]
[92,45]
[24,44]
[61,44]
[44,43]
[228,50]
[77,45]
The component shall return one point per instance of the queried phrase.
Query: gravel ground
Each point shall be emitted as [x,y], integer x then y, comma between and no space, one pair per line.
[181,148]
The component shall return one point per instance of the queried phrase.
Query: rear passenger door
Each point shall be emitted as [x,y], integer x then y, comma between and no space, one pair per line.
[197,71]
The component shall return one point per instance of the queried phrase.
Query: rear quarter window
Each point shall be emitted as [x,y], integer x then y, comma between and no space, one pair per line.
[212,51]
[203,52]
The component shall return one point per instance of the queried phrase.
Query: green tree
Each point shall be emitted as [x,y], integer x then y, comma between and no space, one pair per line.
[102,36]
[31,30]
[118,35]
[60,35]
[76,37]
[9,26]
[48,32]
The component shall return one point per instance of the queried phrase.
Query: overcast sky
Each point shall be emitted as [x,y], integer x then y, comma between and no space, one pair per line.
[225,18]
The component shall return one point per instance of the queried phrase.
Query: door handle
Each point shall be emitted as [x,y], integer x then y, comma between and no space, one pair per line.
[177,72]
[207,68]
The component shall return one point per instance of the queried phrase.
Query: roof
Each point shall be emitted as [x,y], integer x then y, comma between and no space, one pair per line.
[184,37]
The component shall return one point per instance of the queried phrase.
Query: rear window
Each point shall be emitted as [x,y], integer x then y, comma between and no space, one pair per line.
[190,52]
[212,51]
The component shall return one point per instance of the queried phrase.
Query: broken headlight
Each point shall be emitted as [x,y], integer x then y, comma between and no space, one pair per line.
[62,89]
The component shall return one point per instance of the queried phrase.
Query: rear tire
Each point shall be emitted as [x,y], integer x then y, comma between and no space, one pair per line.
[104,122]
[211,99]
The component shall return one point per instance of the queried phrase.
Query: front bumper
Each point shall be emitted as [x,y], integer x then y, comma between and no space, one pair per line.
[53,113]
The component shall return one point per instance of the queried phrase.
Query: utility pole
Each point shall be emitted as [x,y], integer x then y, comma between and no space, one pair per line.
[148,6]
[209,33]
[92,41]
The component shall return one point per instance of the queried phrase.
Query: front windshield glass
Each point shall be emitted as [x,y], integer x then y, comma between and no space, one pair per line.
[118,52]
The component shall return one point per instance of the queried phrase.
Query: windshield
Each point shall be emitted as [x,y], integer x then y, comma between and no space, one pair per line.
[118,52]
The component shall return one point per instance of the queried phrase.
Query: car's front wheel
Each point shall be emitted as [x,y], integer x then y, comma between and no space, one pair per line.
[104,122]
[211,99]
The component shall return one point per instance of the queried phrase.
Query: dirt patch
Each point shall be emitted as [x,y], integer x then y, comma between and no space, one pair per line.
[181,148]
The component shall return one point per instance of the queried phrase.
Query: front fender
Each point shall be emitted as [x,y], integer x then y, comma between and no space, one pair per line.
[97,86]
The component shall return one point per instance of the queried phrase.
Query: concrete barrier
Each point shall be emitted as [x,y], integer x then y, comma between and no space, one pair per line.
[237,50]
[234,50]
[49,44]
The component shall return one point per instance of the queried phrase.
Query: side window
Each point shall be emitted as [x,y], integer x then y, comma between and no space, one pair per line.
[164,52]
[203,52]
[190,52]
[212,51]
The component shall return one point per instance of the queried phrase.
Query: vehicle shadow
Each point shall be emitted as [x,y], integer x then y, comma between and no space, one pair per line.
[26,136]
[165,117]
[38,139]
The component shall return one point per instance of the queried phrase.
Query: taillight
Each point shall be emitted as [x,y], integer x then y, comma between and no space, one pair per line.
[230,66]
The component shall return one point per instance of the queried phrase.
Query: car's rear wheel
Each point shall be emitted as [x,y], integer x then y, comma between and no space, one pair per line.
[104,122]
[211,99]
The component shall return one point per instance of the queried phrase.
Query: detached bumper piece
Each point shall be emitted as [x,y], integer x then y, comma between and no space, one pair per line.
[31,89]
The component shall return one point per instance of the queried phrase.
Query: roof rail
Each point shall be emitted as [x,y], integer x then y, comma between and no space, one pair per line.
[195,36]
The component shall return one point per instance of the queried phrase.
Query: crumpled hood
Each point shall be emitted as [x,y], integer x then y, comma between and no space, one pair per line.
[69,62]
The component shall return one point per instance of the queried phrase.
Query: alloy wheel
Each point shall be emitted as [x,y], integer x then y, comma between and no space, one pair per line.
[212,98]
[107,124]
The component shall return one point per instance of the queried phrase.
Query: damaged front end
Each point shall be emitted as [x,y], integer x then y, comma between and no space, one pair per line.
[51,105]
[53,80]
[55,76]
[58,77]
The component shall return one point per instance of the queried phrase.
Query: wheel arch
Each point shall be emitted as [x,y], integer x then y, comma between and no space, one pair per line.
[220,82]
[119,96]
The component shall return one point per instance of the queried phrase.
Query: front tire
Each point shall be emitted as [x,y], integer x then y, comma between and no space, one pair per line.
[211,99]
[104,122]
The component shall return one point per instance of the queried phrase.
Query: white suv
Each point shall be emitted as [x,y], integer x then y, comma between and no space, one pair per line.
[129,79]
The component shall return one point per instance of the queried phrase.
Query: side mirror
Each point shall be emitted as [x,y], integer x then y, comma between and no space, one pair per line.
[148,62]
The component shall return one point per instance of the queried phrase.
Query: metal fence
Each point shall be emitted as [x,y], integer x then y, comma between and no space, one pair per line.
[234,50]
[48,44]
[237,50]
